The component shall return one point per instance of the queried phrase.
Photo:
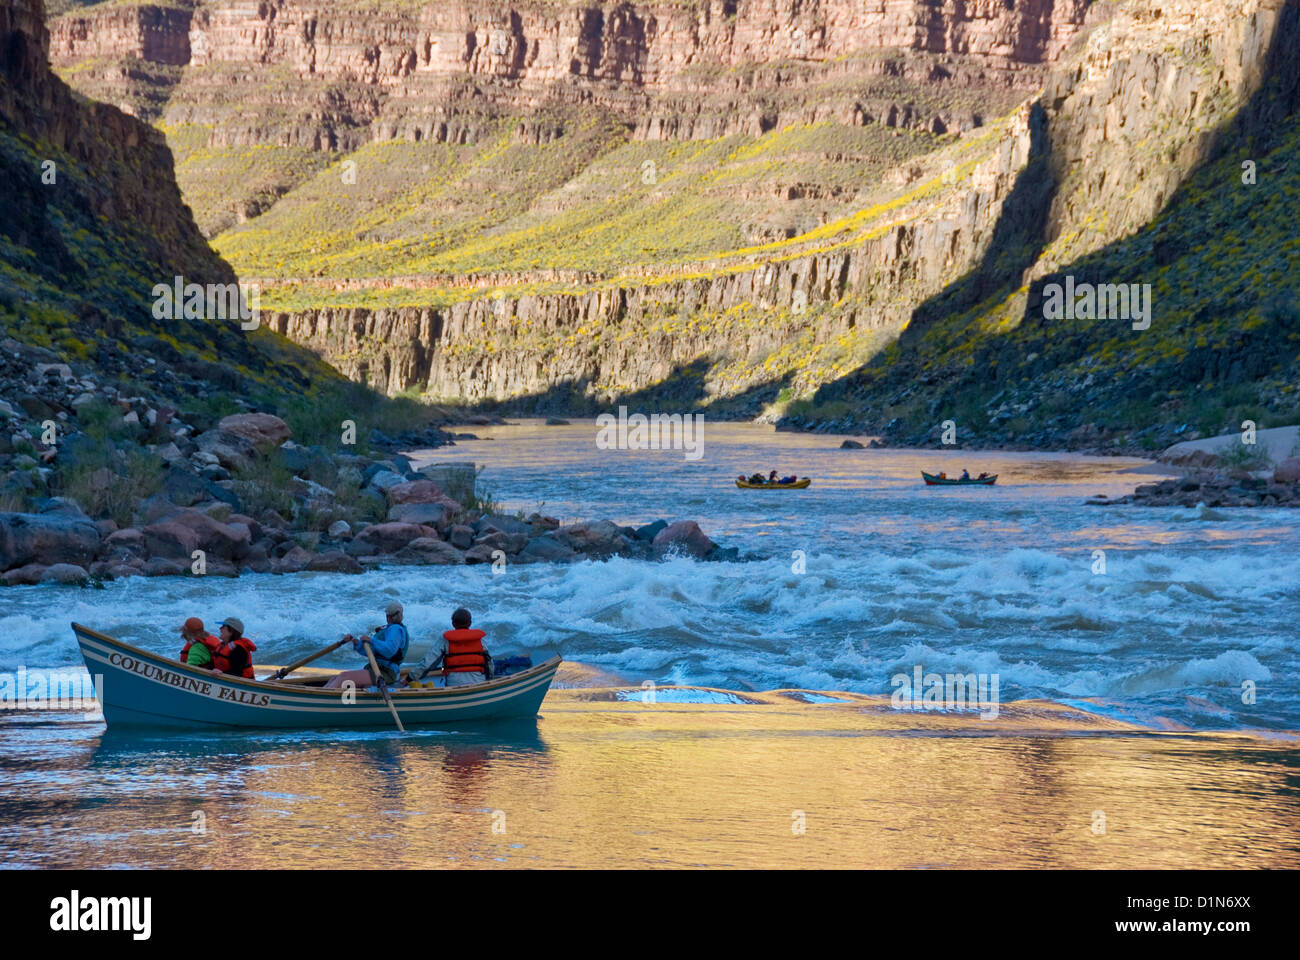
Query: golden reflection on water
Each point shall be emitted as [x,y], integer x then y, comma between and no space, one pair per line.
[602,783]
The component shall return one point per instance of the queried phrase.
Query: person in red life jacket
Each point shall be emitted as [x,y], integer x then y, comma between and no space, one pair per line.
[234,655]
[199,646]
[461,655]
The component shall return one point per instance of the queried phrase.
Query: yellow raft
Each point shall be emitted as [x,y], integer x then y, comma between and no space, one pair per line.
[797,485]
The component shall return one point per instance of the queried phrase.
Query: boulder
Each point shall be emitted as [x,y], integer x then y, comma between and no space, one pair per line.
[508,525]
[415,491]
[541,524]
[430,514]
[391,537]
[650,530]
[170,540]
[63,507]
[264,431]
[595,537]
[217,567]
[228,541]
[46,538]
[683,537]
[124,545]
[429,550]
[294,457]
[457,480]
[295,561]
[220,491]
[184,487]
[384,480]
[851,445]
[156,509]
[339,529]
[162,567]
[460,536]
[231,450]
[483,553]
[546,549]
[556,422]
[1288,471]
[334,561]
[495,540]
[27,575]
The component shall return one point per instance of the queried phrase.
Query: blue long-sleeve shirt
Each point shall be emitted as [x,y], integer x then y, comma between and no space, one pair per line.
[387,642]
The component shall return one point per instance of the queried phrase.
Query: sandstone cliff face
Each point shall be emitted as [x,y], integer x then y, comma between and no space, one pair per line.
[155,34]
[1119,126]
[621,338]
[672,71]
[1139,110]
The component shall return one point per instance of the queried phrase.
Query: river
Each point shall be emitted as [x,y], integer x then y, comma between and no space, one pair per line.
[1158,643]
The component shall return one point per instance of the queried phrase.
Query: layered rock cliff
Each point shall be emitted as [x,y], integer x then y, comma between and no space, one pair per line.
[724,203]
[93,221]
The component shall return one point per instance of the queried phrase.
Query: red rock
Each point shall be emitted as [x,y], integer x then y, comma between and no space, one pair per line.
[1288,471]
[683,537]
[334,561]
[391,537]
[416,491]
[263,430]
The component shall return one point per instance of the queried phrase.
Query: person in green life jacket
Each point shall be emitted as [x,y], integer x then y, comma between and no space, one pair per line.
[388,643]
[199,646]
[461,655]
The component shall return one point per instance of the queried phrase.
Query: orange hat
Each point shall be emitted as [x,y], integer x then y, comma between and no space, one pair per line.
[193,625]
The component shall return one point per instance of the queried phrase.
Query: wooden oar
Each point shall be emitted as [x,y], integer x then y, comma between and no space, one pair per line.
[285,671]
[379,681]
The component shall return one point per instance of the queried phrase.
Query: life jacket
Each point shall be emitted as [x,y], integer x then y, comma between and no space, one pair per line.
[222,656]
[465,653]
[212,643]
[395,661]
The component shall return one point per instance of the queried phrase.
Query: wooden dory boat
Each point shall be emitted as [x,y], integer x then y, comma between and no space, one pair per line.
[932,481]
[143,689]
[797,485]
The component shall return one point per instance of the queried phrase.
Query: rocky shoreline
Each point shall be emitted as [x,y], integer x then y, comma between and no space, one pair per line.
[101,483]
[197,528]
[1218,488]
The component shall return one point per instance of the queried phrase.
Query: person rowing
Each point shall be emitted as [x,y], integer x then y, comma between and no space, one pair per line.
[965,474]
[389,645]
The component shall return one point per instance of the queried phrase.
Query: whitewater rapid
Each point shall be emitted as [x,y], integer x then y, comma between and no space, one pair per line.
[848,584]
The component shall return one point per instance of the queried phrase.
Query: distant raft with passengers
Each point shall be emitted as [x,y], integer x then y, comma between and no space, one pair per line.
[757,481]
[943,480]
[796,485]
[137,688]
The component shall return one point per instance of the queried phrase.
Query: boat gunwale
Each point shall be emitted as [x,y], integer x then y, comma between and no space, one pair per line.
[497,683]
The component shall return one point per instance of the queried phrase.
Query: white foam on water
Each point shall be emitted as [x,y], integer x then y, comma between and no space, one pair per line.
[1203,608]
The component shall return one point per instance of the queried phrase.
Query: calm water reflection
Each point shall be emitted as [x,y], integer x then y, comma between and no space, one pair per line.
[597,783]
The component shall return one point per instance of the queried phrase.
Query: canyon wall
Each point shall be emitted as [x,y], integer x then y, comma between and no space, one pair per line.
[1120,125]
[349,72]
